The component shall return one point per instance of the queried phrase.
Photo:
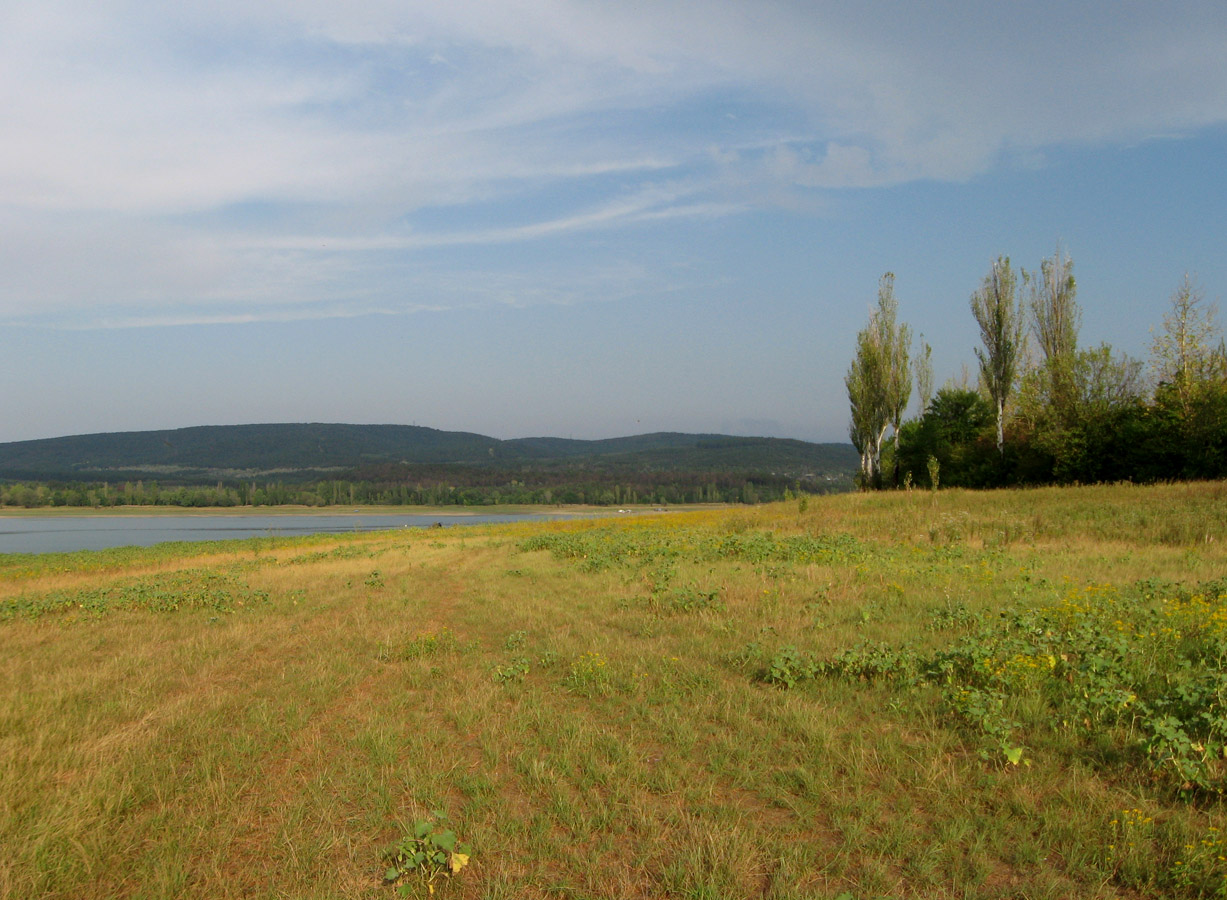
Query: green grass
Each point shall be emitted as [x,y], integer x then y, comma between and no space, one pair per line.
[592,706]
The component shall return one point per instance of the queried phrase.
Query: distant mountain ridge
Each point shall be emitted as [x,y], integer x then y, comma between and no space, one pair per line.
[310,450]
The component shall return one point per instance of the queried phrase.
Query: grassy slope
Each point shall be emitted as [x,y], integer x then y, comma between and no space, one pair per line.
[307,699]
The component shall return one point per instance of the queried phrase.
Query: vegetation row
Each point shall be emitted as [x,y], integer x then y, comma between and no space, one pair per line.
[475,487]
[1044,409]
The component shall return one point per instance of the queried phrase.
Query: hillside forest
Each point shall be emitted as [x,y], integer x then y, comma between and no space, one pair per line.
[347,465]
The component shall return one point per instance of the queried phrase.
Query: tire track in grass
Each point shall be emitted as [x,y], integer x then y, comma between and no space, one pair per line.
[321,752]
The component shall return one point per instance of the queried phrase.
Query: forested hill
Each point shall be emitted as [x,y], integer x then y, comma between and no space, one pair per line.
[294,452]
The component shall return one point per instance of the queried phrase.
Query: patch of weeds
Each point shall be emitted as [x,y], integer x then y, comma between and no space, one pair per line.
[1147,674]
[547,660]
[689,599]
[518,667]
[189,589]
[602,548]
[954,616]
[984,711]
[661,576]
[1193,763]
[515,670]
[872,662]
[1201,869]
[589,674]
[1196,864]
[344,551]
[374,580]
[424,643]
[788,667]
[1130,850]
[426,853]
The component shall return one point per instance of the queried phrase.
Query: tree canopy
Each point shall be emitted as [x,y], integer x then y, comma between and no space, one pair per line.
[1064,414]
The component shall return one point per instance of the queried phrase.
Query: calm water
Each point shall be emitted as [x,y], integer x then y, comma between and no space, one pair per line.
[59,534]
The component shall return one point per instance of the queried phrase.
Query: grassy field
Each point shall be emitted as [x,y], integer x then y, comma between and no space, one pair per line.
[1013,694]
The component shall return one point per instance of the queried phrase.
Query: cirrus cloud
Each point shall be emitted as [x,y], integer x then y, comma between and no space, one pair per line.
[232,153]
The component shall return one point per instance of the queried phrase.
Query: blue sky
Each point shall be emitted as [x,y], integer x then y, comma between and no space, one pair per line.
[574,219]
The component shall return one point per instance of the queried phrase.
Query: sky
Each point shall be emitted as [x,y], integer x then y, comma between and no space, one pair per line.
[576,219]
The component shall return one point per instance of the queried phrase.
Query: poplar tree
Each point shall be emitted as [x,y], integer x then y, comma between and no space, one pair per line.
[865,395]
[922,369]
[879,381]
[998,312]
[896,340]
[1056,319]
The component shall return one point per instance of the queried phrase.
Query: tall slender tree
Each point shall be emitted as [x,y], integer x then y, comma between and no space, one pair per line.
[922,369]
[998,312]
[879,381]
[896,341]
[1056,319]
[864,382]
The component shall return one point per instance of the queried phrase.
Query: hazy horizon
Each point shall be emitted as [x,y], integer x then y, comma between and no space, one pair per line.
[519,437]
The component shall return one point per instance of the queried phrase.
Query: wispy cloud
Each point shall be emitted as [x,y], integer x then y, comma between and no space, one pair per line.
[163,158]
[650,205]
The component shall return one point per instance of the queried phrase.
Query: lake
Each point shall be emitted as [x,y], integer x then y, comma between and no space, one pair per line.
[61,534]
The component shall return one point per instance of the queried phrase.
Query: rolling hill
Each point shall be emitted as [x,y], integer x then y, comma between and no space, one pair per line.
[294,452]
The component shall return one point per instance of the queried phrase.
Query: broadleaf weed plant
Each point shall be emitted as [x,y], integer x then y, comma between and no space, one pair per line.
[516,669]
[427,852]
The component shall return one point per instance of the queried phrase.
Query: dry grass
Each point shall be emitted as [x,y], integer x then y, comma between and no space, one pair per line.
[272,744]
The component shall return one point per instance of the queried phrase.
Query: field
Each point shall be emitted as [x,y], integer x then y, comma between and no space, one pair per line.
[1005,694]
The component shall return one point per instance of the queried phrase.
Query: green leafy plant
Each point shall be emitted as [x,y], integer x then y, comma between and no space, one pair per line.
[515,670]
[426,853]
[789,666]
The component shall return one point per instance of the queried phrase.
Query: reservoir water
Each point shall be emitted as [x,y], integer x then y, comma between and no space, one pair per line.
[60,534]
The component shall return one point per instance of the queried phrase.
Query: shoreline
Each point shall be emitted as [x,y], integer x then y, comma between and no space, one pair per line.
[457,512]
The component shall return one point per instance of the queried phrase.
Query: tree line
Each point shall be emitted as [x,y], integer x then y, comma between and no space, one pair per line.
[1044,409]
[403,488]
